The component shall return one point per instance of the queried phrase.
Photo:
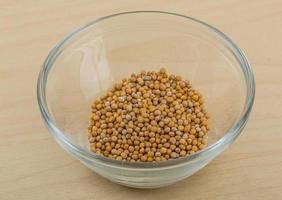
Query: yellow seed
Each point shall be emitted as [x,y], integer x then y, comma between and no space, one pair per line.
[119,158]
[183,153]
[150,159]
[172,140]
[168,151]
[182,141]
[163,150]
[123,155]
[143,158]
[202,146]
[114,138]
[194,148]
[98,145]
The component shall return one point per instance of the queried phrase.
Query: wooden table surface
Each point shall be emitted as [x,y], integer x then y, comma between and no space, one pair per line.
[33,166]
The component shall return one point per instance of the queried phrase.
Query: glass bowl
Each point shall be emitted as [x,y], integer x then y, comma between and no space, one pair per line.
[91,59]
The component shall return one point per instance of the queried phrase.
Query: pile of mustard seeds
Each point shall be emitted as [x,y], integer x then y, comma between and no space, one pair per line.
[150,116]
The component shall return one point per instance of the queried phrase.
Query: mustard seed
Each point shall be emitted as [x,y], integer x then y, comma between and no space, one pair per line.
[150,116]
[182,153]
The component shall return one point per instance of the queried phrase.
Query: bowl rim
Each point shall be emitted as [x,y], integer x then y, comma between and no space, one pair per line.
[229,136]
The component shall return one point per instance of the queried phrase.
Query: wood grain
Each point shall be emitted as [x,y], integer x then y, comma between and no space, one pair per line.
[33,166]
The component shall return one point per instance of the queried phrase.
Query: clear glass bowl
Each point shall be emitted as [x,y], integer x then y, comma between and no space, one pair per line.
[91,59]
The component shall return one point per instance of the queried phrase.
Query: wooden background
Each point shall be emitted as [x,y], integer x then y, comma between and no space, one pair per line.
[33,166]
